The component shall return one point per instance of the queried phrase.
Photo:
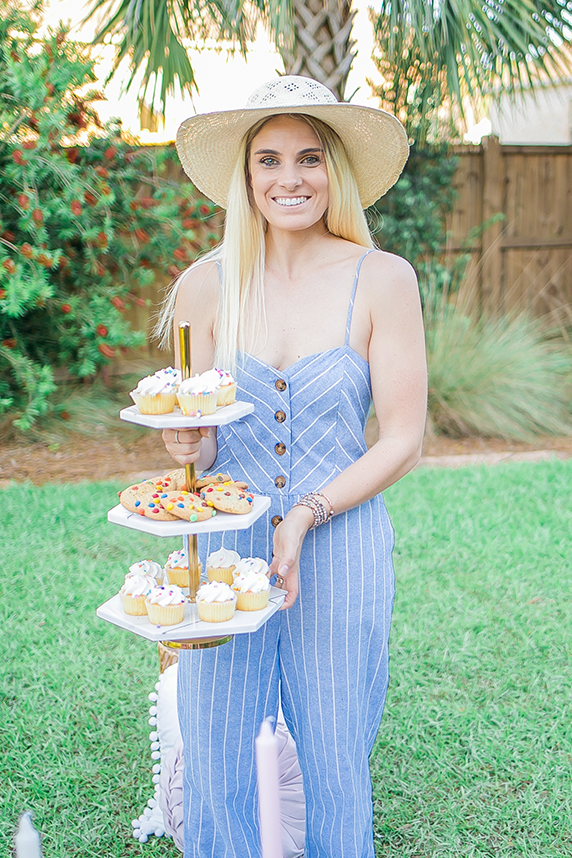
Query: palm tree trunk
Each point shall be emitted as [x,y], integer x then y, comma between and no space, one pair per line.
[323,47]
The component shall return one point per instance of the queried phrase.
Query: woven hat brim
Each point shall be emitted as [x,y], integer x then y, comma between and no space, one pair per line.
[375,142]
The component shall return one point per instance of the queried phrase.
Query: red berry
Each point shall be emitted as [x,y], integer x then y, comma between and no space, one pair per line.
[102,239]
[148,202]
[29,144]
[8,264]
[142,236]
[105,189]
[110,153]
[9,236]
[180,253]
[106,350]
[50,88]
[18,157]
[102,172]
[46,261]
[23,201]
[10,343]
[2,294]
[38,216]
[63,262]
[133,205]
[204,209]
[117,302]
[140,302]
[189,223]
[102,331]
[27,250]
[66,308]
[99,269]
[65,415]
[72,154]
[75,207]
[89,198]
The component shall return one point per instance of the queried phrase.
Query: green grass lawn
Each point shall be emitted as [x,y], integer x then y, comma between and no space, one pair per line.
[474,753]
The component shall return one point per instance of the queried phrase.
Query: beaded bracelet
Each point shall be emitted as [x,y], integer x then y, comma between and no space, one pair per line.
[313,500]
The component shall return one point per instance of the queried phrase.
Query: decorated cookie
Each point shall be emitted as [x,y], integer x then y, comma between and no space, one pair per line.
[174,481]
[188,506]
[228,497]
[135,497]
[211,479]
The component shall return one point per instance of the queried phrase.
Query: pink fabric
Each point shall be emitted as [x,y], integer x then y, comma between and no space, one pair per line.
[172,765]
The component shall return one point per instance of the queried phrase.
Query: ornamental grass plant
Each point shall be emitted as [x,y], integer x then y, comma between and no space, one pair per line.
[507,376]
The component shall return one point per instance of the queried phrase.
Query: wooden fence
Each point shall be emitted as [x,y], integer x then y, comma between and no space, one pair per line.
[524,258]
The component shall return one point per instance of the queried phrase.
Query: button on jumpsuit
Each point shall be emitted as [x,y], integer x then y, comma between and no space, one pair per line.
[325,658]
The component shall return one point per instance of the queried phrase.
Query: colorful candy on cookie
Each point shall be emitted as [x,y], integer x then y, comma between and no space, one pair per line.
[216,602]
[210,479]
[197,396]
[157,394]
[188,506]
[177,568]
[251,584]
[221,565]
[149,568]
[166,606]
[134,594]
[228,497]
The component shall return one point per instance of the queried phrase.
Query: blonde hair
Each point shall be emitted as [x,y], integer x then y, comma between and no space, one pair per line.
[241,314]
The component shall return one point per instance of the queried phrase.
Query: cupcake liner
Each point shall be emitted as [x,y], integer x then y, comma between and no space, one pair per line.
[134,605]
[216,612]
[166,615]
[223,573]
[162,403]
[252,601]
[191,403]
[179,576]
[226,395]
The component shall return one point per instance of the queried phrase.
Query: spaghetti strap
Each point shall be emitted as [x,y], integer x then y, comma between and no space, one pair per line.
[352,299]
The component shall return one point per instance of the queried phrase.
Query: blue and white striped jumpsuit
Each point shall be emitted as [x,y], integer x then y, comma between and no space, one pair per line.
[326,657]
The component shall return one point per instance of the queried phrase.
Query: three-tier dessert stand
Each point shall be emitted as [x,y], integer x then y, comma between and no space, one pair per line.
[192,633]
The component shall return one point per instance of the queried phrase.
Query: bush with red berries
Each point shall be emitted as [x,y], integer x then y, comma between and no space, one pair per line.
[87,219]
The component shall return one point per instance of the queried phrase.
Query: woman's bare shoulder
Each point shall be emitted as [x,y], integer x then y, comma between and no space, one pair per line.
[388,277]
[200,277]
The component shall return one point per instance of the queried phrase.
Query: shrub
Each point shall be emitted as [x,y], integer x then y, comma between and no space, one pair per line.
[505,377]
[87,219]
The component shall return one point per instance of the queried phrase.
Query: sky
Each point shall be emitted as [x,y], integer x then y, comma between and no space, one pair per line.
[224,81]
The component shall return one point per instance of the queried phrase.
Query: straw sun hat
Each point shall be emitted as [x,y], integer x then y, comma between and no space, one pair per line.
[375,141]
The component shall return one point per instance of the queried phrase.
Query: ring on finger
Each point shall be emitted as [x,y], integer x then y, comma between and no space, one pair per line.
[279,580]
[177,437]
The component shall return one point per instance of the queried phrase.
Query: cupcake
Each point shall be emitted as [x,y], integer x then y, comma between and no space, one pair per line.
[226,393]
[166,606]
[216,602]
[134,592]
[149,568]
[221,565]
[177,568]
[251,584]
[156,394]
[198,395]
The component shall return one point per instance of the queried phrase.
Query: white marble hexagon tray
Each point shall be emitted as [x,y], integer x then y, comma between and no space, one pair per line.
[177,420]
[221,521]
[243,622]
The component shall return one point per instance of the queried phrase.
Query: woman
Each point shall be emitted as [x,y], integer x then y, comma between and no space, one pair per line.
[315,322]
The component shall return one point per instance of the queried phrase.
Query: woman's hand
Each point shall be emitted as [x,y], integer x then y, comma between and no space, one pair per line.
[288,539]
[184,445]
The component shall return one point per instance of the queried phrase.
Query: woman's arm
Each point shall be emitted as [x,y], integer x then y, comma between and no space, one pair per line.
[398,371]
[197,303]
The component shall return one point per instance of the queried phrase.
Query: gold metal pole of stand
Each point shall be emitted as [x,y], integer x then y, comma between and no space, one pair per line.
[190,543]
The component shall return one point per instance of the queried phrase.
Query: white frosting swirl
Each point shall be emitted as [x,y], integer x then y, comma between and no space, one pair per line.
[226,378]
[250,576]
[223,558]
[212,376]
[198,385]
[164,596]
[251,564]
[175,376]
[148,567]
[216,591]
[151,385]
[138,585]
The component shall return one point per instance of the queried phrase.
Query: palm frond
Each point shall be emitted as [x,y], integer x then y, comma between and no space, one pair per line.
[431,52]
